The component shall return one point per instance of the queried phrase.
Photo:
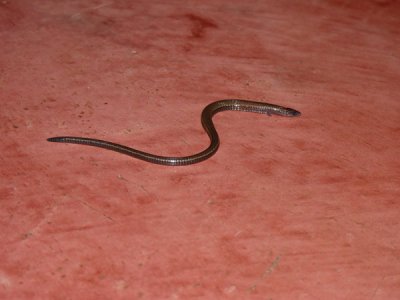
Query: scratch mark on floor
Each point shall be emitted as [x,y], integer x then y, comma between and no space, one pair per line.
[78,14]
[148,193]
[272,267]
[96,210]
[267,272]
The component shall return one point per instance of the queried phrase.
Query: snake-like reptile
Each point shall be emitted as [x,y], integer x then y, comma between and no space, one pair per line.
[208,125]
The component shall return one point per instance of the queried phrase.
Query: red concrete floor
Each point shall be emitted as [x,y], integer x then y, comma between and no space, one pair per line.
[301,208]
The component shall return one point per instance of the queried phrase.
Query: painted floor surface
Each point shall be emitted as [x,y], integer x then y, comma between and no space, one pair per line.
[288,208]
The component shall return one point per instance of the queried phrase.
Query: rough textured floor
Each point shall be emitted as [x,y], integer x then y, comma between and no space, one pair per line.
[303,208]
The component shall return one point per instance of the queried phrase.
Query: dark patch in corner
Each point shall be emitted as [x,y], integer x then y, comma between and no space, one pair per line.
[384,2]
[199,25]
[10,15]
